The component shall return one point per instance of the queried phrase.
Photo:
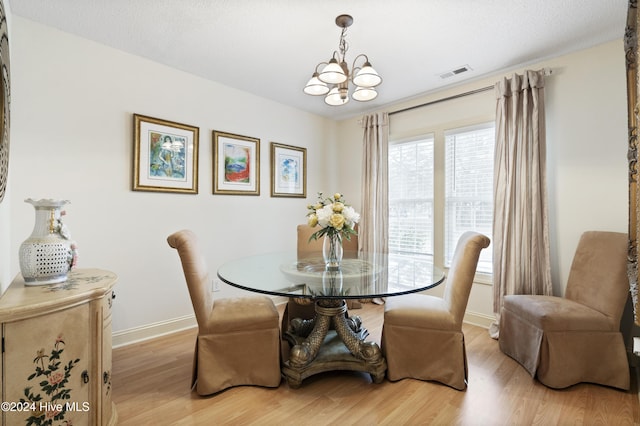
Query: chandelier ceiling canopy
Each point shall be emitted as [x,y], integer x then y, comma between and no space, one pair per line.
[332,81]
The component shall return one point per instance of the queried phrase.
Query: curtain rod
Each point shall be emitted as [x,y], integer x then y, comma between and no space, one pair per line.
[547,71]
[448,98]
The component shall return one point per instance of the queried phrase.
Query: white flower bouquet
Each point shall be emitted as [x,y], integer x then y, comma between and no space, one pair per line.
[334,216]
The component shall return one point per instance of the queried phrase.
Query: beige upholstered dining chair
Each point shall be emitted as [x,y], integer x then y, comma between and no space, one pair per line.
[422,335]
[576,338]
[308,248]
[238,339]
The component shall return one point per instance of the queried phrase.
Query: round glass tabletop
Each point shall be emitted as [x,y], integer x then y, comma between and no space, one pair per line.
[365,276]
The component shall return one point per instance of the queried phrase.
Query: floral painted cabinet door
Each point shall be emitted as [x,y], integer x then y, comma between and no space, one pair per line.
[47,368]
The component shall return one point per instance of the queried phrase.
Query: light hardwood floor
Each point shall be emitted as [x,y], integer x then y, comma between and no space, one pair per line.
[151,387]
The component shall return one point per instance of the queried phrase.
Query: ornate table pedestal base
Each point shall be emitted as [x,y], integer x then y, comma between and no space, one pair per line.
[316,348]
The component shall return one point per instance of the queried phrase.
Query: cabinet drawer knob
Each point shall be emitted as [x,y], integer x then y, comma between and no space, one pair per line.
[113,296]
[85,377]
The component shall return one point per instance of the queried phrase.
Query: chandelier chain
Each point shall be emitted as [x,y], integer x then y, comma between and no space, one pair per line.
[343,45]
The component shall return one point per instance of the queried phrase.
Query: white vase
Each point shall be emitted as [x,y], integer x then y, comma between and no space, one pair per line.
[48,254]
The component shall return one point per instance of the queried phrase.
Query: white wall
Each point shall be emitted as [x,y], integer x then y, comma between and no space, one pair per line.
[586,149]
[73,139]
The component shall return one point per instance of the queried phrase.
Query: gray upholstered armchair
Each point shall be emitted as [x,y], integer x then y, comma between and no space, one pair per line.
[576,338]
[422,335]
[238,339]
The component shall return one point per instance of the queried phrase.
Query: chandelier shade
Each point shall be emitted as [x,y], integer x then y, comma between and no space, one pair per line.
[333,73]
[334,78]
[337,96]
[367,76]
[315,87]
[364,94]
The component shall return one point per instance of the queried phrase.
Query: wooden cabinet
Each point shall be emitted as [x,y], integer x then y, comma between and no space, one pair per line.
[56,351]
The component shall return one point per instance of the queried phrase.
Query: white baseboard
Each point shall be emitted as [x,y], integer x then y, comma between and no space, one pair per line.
[150,331]
[476,318]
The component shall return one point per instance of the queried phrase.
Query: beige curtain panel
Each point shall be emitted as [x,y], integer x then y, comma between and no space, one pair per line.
[374,228]
[520,225]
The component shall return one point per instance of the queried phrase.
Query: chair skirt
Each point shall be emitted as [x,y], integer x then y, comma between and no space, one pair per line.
[243,356]
[425,354]
[561,358]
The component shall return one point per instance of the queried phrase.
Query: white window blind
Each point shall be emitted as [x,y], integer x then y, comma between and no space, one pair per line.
[469,187]
[411,166]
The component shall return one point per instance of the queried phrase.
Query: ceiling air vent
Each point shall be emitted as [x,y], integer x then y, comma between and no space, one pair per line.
[454,72]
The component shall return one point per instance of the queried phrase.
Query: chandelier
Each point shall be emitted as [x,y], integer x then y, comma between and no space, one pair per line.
[333,80]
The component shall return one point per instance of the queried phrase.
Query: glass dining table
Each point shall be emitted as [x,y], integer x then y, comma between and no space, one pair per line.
[332,339]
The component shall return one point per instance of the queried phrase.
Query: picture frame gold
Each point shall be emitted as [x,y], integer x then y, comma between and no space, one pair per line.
[288,171]
[632,58]
[236,164]
[165,155]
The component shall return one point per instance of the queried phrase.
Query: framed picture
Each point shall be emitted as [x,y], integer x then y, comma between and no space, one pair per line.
[236,164]
[288,171]
[165,157]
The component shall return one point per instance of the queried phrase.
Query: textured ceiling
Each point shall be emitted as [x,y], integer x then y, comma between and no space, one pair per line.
[271,47]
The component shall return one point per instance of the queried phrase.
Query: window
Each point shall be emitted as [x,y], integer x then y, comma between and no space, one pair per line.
[440,186]
[411,197]
[468,187]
